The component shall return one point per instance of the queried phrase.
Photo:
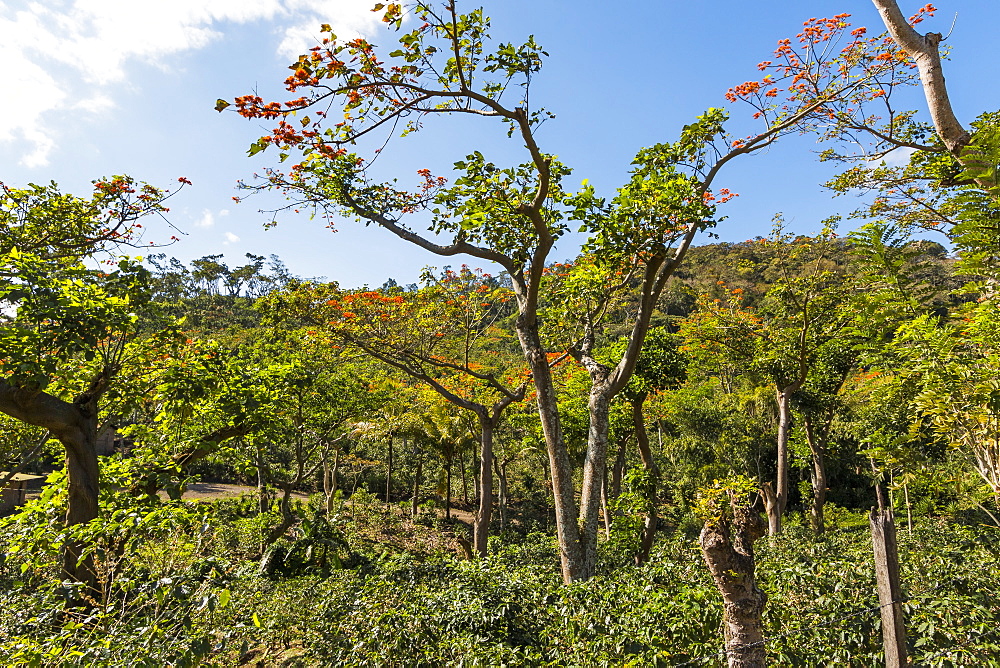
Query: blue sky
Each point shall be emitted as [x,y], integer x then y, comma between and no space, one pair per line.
[101,87]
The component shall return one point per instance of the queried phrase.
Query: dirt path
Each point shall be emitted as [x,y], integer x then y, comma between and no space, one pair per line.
[197,491]
[218,490]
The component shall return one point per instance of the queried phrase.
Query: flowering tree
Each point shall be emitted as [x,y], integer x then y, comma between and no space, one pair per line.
[64,325]
[949,182]
[449,66]
[443,335]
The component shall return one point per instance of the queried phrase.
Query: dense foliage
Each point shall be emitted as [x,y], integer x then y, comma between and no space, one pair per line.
[532,468]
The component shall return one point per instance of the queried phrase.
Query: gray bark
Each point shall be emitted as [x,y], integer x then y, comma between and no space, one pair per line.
[817,448]
[651,520]
[727,545]
[330,485]
[560,468]
[594,468]
[776,498]
[924,50]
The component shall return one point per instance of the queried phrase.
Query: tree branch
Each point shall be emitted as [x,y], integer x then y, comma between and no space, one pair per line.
[923,49]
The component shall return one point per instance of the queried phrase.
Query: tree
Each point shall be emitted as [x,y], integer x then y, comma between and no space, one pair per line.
[450,432]
[64,325]
[950,181]
[819,402]
[924,51]
[513,216]
[956,368]
[308,396]
[660,367]
[194,395]
[210,297]
[443,335]
[44,222]
[727,539]
[800,315]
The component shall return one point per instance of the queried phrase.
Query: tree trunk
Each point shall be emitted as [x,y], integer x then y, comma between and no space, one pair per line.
[75,425]
[83,472]
[924,50]
[504,488]
[727,545]
[388,474]
[330,481]
[465,479]
[817,448]
[606,506]
[571,553]
[770,507]
[594,468]
[447,489]
[816,517]
[484,514]
[415,502]
[651,520]
[612,487]
[776,500]
[619,468]
[287,518]
[263,497]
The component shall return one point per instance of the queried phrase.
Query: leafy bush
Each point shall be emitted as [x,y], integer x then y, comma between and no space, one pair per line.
[185,589]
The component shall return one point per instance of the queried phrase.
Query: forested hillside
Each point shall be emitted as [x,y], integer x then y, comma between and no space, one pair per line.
[657,451]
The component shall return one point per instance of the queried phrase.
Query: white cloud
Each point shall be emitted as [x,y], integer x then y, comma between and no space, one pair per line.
[899,157]
[35,91]
[83,50]
[230,239]
[96,104]
[348,18]
[206,220]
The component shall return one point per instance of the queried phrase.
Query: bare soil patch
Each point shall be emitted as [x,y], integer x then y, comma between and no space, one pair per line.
[218,490]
